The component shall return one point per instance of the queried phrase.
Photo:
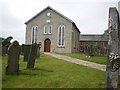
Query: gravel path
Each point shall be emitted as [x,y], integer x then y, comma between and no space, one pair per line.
[78,61]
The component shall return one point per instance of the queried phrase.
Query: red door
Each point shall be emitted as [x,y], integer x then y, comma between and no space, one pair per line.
[47,45]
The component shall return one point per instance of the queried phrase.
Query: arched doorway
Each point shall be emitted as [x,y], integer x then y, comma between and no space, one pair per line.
[47,45]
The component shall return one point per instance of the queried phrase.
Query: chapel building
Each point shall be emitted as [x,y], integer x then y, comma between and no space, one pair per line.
[54,31]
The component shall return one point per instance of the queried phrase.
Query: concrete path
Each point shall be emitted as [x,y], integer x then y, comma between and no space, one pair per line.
[78,61]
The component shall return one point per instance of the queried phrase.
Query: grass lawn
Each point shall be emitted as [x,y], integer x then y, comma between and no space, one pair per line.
[96,59]
[53,73]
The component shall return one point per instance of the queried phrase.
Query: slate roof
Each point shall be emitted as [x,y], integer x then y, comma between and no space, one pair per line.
[54,11]
[94,37]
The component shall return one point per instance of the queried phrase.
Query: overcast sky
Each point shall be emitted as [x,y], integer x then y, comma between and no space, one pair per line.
[90,16]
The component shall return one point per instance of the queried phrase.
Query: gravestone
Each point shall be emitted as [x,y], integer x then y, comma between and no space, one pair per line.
[38,51]
[26,51]
[22,49]
[119,37]
[4,50]
[13,58]
[32,56]
[113,60]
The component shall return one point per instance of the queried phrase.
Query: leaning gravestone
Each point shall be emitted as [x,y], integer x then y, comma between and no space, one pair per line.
[113,61]
[32,56]
[13,58]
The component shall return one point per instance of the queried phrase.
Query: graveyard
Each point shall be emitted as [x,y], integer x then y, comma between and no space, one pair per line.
[26,66]
[51,72]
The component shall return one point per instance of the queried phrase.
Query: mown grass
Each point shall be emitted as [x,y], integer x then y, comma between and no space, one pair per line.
[51,72]
[81,56]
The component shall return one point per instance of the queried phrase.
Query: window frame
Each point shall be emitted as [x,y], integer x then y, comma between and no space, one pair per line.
[61,36]
[47,29]
[34,34]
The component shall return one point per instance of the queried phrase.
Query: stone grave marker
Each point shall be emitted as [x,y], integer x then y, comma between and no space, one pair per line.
[4,50]
[38,51]
[32,56]
[26,51]
[113,60]
[119,81]
[13,58]
[22,49]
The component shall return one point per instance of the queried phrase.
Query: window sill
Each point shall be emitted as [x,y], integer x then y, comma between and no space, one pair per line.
[61,46]
[47,34]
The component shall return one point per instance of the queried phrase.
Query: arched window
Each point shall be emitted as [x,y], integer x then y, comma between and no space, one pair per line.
[48,29]
[45,29]
[61,33]
[34,34]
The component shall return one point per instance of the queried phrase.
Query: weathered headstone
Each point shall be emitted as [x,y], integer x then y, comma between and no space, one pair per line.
[119,82]
[113,61]
[4,50]
[22,49]
[32,56]
[13,58]
[26,51]
[38,51]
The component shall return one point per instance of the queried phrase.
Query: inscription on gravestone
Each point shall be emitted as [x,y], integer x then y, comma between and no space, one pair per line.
[113,61]
[13,58]
[32,56]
